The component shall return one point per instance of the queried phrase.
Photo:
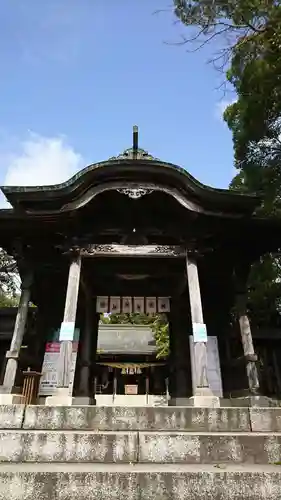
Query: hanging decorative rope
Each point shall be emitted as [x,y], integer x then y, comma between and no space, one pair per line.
[132,366]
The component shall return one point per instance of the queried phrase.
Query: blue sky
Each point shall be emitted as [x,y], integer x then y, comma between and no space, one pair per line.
[76,75]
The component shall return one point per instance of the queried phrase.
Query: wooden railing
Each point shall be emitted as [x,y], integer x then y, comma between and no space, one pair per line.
[30,387]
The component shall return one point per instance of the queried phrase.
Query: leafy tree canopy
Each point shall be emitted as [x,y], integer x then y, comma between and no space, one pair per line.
[8,281]
[249,34]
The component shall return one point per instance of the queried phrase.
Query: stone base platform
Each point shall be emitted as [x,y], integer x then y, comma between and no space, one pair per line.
[102,453]
[91,418]
[139,482]
[139,447]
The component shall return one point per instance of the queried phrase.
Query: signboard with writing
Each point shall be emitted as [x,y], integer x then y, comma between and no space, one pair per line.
[199,332]
[214,370]
[67,330]
[48,382]
[131,389]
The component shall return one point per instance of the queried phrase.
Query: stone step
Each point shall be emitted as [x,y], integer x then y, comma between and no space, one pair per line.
[139,447]
[139,482]
[138,419]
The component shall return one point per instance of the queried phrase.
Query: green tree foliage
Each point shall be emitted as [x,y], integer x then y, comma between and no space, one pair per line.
[255,123]
[8,281]
[233,22]
[265,291]
[157,322]
[160,327]
[8,301]
[249,34]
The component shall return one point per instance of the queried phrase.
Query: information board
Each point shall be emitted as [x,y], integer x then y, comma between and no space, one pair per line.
[214,370]
[48,382]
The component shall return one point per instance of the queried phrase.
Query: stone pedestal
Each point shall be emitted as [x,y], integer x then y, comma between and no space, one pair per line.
[84,401]
[10,399]
[204,398]
[179,402]
[253,401]
[61,398]
[205,401]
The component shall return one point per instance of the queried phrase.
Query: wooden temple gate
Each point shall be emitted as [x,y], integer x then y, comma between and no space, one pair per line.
[134,226]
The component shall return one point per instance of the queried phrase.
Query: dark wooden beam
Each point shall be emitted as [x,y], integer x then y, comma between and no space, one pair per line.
[133,251]
[135,140]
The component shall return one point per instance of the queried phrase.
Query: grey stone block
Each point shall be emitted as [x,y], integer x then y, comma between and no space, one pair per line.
[68,447]
[11,416]
[141,486]
[132,447]
[68,486]
[265,419]
[169,448]
[209,449]
[210,485]
[129,418]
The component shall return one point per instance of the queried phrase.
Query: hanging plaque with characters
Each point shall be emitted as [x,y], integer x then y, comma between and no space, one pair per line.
[127,305]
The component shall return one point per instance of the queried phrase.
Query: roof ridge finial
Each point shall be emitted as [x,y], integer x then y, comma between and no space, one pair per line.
[135,152]
[135,140]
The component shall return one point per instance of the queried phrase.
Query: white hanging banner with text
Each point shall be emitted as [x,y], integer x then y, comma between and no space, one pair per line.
[127,305]
[139,305]
[150,305]
[102,305]
[163,304]
[115,305]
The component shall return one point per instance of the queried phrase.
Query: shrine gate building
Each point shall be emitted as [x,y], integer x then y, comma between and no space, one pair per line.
[134,233]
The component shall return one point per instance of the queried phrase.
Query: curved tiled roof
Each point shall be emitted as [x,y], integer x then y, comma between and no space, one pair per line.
[131,166]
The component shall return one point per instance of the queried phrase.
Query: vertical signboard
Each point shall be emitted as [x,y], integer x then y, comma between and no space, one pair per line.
[48,382]
[214,370]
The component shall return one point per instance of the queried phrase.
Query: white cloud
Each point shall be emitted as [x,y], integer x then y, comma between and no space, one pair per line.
[221,107]
[41,161]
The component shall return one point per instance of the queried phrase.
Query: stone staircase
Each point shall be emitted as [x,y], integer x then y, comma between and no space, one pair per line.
[160,453]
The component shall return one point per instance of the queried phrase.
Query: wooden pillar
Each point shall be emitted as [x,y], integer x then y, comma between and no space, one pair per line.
[64,392]
[277,372]
[247,343]
[114,385]
[95,333]
[241,274]
[147,384]
[68,324]
[86,340]
[13,354]
[179,359]
[88,350]
[198,328]
[172,358]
